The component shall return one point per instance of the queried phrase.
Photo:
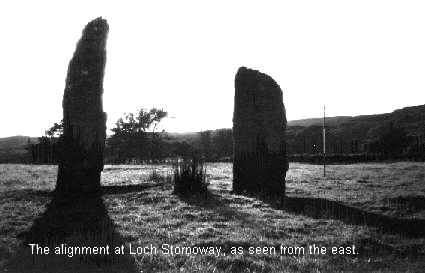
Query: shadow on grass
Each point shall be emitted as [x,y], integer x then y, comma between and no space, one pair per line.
[129,188]
[26,194]
[215,203]
[324,208]
[77,221]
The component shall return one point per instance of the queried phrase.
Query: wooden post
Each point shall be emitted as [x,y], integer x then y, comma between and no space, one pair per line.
[324,142]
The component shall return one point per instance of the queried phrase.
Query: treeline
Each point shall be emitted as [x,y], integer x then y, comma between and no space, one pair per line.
[208,145]
[45,151]
[390,143]
[212,146]
[354,158]
[136,139]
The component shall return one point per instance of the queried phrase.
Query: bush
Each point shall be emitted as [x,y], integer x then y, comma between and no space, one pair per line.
[155,176]
[189,177]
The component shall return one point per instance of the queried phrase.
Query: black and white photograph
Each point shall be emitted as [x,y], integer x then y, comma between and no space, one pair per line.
[212,136]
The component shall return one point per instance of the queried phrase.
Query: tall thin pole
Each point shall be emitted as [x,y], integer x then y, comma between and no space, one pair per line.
[324,142]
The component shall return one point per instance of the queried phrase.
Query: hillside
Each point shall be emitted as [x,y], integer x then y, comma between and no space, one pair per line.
[409,118]
[334,121]
[189,137]
[359,133]
[12,149]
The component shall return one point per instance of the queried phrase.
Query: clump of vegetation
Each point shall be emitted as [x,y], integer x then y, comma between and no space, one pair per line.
[155,176]
[189,177]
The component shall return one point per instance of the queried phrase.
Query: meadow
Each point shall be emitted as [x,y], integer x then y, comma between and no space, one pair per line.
[140,209]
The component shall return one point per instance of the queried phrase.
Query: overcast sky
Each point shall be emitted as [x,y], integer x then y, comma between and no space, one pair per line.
[357,57]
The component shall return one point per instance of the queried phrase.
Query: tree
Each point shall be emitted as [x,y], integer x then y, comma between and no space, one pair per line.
[206,147]
[135,135]
[55,131]
[45,150]
[223,143]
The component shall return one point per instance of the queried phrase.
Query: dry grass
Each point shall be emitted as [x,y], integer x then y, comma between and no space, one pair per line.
[153,215]
[383,188]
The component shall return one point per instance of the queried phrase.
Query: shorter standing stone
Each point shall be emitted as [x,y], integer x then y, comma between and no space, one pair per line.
[259,124]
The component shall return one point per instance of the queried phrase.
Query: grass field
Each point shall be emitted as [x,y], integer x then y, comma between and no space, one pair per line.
[135,210]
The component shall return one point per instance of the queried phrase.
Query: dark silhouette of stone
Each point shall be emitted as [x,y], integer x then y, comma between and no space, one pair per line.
[259,124]
[84,132]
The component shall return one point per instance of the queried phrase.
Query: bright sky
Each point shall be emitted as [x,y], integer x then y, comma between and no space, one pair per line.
[358,57]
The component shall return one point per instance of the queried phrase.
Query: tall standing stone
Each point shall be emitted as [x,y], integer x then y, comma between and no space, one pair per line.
[259,124]
[83,139]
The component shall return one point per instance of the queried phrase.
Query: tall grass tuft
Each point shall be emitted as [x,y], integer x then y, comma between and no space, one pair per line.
[155,176]
[189,177]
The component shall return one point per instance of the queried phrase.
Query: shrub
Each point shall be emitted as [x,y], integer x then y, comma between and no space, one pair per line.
[189,177]
[155,176]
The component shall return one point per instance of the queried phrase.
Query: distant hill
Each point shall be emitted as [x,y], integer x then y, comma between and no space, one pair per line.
[189,137]
[356,134]
[333,121]
[14,142]
[410,118]
[12,149]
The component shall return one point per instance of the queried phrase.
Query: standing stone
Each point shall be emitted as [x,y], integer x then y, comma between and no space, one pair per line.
[259,124]
[84,133]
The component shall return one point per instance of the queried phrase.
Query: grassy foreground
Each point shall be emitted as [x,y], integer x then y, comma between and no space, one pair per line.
[134,210]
